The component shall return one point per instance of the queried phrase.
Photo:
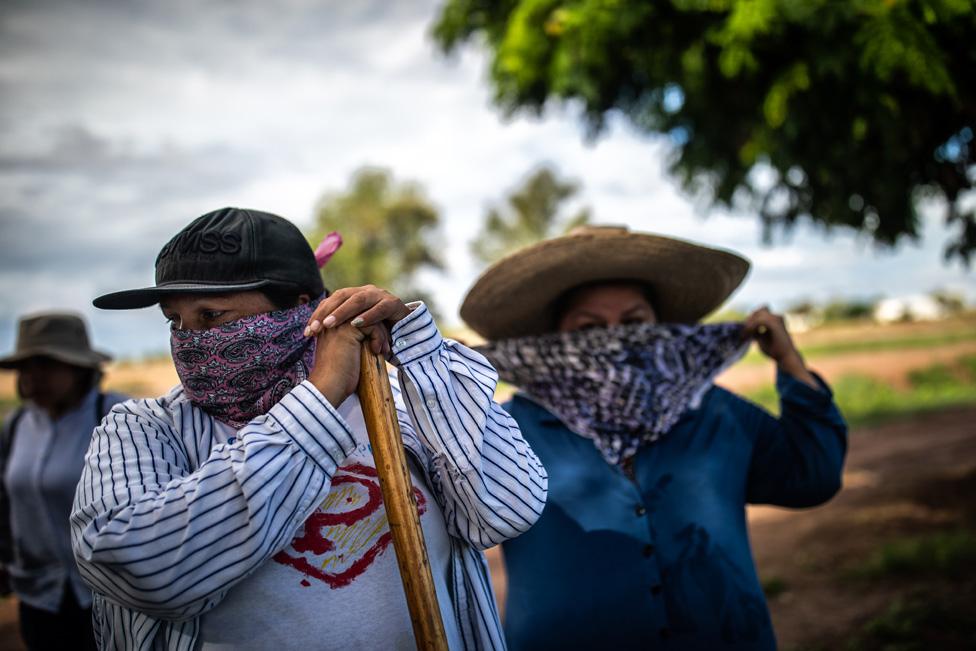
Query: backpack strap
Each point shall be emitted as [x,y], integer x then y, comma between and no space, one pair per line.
[100,412]
[6,445]
[7,439]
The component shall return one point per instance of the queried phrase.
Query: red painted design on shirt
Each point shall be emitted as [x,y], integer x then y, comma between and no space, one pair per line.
[347,532]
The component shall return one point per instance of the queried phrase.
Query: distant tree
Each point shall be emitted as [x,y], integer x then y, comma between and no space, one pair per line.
[389,231]
[951,302]
[727,313]
[529,214]
[803,307]
[848,310]
[843,111]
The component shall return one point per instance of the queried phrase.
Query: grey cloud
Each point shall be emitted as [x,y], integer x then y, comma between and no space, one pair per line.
[94,214]
[225,37]
[85,207]
[77,149]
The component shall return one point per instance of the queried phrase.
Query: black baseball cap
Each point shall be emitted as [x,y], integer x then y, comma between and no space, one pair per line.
[228,250]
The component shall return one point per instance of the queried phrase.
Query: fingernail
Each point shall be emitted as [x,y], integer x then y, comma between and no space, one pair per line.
[308,331]
[330,321]
[315,326]
[358,321]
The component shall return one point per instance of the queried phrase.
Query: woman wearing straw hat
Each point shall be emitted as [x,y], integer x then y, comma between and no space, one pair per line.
[242,510]
[42,451]
[643,540]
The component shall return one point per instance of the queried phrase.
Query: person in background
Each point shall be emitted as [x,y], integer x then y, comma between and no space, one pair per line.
[643,542]
[242,510]
[42,451]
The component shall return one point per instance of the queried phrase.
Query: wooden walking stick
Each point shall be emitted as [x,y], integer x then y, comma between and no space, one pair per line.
[376,399]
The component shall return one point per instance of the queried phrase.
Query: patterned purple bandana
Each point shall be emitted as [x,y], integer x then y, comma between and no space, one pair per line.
[623,386]
[240,370]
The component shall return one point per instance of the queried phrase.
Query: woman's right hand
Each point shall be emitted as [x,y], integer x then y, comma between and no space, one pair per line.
[337,354]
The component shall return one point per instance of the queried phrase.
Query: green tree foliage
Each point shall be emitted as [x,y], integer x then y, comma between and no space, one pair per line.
[390,232]
[530,213]
[852,109]
[847,310]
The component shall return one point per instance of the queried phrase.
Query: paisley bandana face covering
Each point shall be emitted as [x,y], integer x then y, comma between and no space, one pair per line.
[239,370]
[622,386]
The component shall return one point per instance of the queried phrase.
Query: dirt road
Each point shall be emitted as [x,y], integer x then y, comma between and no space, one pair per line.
[904,481]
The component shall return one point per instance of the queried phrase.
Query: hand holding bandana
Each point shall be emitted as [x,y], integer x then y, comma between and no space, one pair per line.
[623,386]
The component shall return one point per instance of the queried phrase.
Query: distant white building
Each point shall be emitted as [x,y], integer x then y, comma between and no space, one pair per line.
[909,308]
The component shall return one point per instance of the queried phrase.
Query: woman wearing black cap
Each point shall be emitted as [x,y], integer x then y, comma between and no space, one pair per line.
[242,509]
[42,451]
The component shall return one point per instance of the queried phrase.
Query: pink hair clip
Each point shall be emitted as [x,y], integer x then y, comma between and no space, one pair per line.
[327,248]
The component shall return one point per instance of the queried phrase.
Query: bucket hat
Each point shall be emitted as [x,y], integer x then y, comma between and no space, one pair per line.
[58,335]
[515,296]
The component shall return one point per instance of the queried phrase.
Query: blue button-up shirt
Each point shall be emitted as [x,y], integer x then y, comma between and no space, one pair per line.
[41,475]
[662,559]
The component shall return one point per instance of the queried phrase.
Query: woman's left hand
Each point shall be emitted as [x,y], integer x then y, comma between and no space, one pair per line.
[362,307]
[769,331]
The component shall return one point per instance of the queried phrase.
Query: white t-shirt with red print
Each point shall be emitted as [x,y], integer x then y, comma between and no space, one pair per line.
[339,575]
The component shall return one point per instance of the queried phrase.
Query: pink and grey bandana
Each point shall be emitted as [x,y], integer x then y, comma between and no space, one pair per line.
[622,386]
[239,370]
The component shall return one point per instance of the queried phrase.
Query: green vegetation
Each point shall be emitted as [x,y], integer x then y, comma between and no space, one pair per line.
[900,343]
[932,572]
[917,342]
[845,113]
[921,622]
[946,553]
[865,400]
[726,314]
[390,233]
[529,214]
[7,405]
[968,364]
[774,586]
[840,310]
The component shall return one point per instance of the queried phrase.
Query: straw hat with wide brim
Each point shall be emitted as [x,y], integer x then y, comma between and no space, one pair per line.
[57,335]
[515,296]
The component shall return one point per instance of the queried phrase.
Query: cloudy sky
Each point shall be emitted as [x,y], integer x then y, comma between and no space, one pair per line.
[121,121]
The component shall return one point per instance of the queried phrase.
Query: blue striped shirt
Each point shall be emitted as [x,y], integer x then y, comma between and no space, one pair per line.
[175,508]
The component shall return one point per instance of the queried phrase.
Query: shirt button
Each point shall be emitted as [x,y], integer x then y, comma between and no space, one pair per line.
[656,590]
[648,550]
[432,403]
[400,343]
[640,510]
